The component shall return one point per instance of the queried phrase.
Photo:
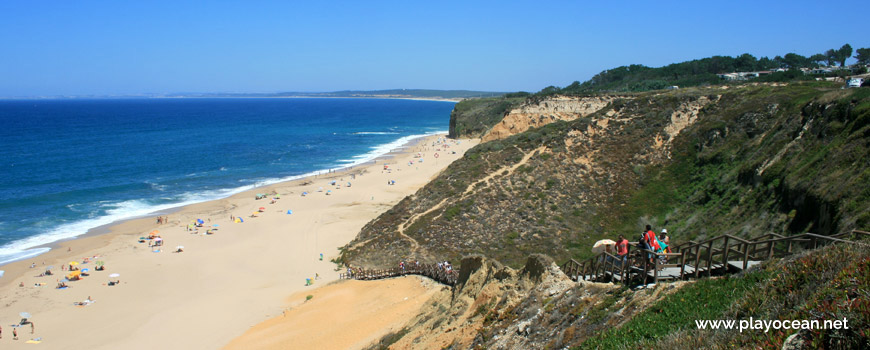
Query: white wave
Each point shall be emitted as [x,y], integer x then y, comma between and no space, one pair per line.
[131,209]
[374,133]
[6,258]
[156,186]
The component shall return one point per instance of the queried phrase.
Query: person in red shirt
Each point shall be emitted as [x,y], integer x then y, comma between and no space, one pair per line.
[622,248]
[650,238]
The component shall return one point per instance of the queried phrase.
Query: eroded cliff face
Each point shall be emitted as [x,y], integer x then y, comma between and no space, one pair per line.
[535,114]
[539,194]
[485,291]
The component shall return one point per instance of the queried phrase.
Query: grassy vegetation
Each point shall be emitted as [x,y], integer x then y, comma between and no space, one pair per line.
[705,299]
[828,283]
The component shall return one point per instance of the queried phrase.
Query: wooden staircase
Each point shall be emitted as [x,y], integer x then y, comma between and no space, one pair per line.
[716,256]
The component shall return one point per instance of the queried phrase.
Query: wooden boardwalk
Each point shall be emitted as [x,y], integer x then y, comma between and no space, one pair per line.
[716,256]
[439,274]
[713,257]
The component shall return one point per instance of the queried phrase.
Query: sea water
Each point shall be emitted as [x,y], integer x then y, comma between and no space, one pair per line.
[67,166]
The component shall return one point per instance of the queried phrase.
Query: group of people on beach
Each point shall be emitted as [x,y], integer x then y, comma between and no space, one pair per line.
[15,327]
[162,220]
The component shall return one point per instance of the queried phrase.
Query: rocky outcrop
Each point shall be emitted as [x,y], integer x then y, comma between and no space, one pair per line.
[535,114]
[486,289]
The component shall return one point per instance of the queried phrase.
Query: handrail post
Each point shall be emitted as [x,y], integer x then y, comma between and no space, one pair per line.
[697,261]
[645,265]
[656,271]
[682,265]
[745,258]
[709,259]
[725,256]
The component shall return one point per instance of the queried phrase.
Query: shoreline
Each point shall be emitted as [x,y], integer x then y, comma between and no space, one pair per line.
[410,141]
[228,281]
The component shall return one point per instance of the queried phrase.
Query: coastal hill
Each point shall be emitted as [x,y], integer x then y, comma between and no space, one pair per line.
[742,160]
[560,172]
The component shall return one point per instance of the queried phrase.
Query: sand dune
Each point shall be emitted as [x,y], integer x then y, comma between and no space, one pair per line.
[344,315]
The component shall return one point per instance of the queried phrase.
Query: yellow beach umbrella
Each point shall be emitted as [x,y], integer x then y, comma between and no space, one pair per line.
[73,263]
[73,274]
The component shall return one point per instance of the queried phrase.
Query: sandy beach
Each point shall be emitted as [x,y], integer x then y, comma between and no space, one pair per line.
[222,283]
[344,315]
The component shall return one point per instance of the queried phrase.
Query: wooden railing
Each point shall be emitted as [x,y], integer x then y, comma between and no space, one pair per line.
[641,266]
[712,256]
[437,273]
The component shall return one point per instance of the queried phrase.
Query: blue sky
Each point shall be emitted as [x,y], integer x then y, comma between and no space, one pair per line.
[129,47]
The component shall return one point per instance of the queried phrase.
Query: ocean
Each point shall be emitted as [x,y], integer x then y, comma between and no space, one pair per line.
[72,165]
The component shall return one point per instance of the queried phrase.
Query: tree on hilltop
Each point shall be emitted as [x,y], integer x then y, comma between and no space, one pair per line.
[819,59]
[863,56]
[843,53]
[831,56]
[793,60]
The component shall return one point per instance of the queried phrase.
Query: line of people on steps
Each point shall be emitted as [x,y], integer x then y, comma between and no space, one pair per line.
[647,241]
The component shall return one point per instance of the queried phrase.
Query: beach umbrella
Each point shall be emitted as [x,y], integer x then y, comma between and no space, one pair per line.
[86,270]
[115,275]
[158,239]
[179,247]
[289,212]
[601,245]
[155,232]
[262,208]
[199,221]
[100,263]
[73,274]
[73,263]
[304,193]
[277,196]
[215,225]
[25,314]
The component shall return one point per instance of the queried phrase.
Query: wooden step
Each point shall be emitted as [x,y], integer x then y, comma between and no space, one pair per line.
[738,264]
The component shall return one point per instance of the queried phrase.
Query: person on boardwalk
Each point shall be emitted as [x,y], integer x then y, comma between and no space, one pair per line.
[664,238]
[622,248]
[649,239]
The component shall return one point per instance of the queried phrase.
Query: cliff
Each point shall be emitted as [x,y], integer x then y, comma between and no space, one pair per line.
[537,113]
[701,162]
